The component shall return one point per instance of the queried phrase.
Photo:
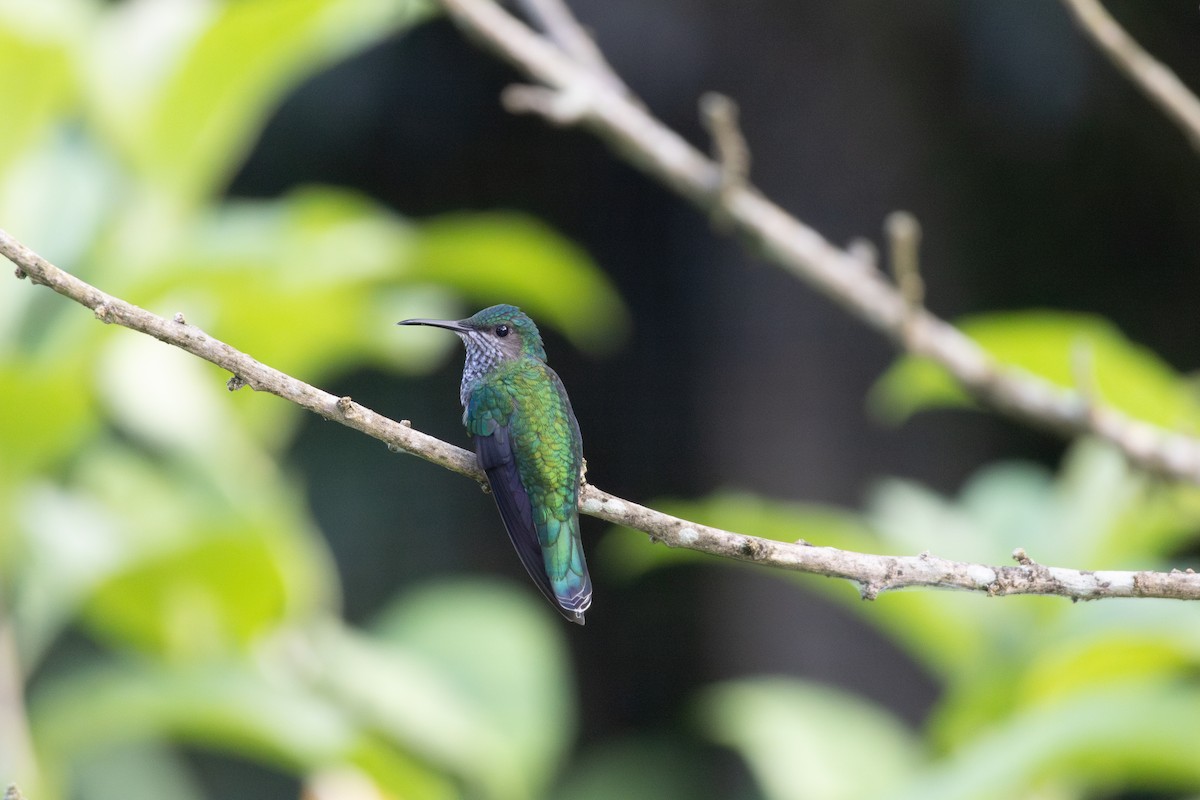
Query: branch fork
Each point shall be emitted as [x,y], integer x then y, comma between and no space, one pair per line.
[561,108]
[844,276]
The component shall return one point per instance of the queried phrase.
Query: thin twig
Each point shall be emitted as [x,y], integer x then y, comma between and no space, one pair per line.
[560,26]
[842,276]
[1146,72]
[873,573]
[245,370]
[904,247]
[720,117]
[864,251]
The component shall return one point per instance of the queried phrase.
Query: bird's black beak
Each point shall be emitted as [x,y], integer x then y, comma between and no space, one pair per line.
[448,324]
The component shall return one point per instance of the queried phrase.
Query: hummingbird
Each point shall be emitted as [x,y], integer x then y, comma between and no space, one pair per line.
[528,444]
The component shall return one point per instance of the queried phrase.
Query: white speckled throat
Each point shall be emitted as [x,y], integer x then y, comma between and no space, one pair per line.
[483,353]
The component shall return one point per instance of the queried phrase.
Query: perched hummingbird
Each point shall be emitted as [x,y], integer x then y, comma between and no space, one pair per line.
[527,442]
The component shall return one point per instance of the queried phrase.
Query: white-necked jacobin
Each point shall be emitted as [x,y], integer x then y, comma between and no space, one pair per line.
[527,442]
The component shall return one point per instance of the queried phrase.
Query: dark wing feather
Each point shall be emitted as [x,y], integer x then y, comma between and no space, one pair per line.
[497,459]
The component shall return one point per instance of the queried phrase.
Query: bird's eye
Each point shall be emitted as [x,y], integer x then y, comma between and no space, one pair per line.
[502,330]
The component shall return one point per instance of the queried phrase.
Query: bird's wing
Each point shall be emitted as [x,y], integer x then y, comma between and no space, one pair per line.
[558,530]
[488,417]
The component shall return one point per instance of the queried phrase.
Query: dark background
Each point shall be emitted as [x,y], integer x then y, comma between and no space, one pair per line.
[1042,178]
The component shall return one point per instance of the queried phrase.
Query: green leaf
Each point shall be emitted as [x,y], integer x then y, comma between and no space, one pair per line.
[54,415]
[1001,507]
[638,767]
[135,771]
[221,702]
[497,258]
[265,715]
[59,198]
[35,86]
[187,102]
[65,545]
[225,588]
[404,697]
[194,568]
[1135,734]
[1127,376]
[1110,643]
[1078,649]
[296,281]
[803,740]
[502,653]
[334,271]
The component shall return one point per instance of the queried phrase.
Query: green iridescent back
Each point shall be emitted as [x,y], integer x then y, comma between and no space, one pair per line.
[527,443]
[548,451]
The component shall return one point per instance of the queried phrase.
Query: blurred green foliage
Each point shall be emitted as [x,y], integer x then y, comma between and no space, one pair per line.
[144,505]
[1042,698]
[1064,348]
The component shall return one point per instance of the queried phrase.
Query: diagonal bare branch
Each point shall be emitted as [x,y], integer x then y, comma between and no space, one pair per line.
[1150,75]
[842,276]
[873,573]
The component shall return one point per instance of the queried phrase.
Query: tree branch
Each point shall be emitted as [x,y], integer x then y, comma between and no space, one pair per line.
[571,95]
[561,27]
[246,371]
[873,573]
[1155,80]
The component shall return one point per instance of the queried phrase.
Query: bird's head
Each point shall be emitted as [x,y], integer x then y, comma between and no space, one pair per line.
[497,333]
